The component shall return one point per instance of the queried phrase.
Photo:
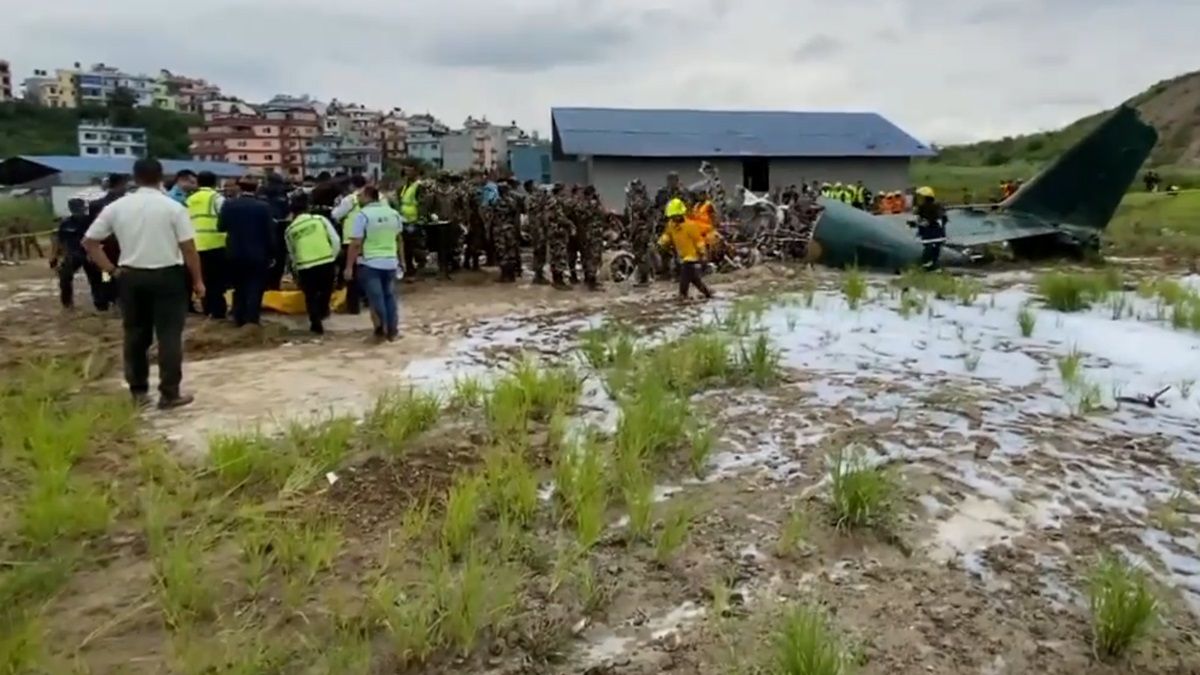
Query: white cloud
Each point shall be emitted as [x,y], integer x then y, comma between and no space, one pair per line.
[946,70]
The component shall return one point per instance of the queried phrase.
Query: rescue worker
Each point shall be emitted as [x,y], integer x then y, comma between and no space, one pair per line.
[684,235]
[559,227]
[117,187]
[312,245]
[591,236]
[375,248]
[437,227]
[827,190]
[204,207]
[538,232]
[67,256]
[409,198]
[346,213]
[250,249]
[639,213]
[931,226]
[506,228]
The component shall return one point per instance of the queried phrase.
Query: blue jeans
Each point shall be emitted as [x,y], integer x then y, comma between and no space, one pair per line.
[379,288]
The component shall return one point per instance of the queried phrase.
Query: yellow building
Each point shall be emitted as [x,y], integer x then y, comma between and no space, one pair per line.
[164,98]
[68,87]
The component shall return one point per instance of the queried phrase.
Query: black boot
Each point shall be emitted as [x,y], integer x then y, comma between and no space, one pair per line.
[559,283]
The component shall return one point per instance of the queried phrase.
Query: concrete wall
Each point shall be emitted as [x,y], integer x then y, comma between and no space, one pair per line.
[610,175]
[876,174]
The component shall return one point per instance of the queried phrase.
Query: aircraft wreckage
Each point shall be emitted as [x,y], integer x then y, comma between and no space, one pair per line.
[1063,210]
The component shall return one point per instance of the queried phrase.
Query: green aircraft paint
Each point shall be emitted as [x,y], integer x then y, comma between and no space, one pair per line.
[1065,207]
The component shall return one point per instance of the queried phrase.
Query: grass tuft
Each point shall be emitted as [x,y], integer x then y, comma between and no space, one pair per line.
[861,492]
[854,287]
[401,414]
[1026,320]
[673,534]
[1075,291]
[1069,366]
[1123,607]
[463,504]
[806,644]
[760,364]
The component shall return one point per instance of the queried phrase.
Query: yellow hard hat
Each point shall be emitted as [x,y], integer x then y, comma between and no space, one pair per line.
[925,191]
[676,207]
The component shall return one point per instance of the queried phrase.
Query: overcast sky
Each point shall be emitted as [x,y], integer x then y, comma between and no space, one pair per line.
[945,70]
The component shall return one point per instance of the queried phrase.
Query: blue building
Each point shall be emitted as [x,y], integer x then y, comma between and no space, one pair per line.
[96,86]
[530,161]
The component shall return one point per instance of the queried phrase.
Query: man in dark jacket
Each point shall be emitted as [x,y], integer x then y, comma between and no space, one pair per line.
[275,194]
[251,246]
[118,185]
[67,256]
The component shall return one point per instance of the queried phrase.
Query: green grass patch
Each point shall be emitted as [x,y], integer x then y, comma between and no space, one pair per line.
[861,493]
[1076,291]
[854,287]
[399,415]
[1123,607]
[805,643]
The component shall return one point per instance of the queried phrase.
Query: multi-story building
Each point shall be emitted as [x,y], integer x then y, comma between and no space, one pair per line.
[44,90]
[6,90]
[68,86]
[98,84]
[423,139]
[394,132]
[225,107]
[480,145]
[336,154]
[191,94]
[273,140]
[104,140]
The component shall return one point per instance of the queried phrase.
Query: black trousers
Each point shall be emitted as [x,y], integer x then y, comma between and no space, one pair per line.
[249,281]
[689,275]
[101,290]
[317,285]
[280,264]
[154,307]
[931,255]
[353,290]
[214,268]
[439,239]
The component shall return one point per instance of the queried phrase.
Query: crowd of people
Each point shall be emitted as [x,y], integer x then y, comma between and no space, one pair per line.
[144,247]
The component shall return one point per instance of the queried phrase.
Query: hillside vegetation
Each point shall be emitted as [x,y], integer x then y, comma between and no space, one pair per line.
[27,129]
[1172,106]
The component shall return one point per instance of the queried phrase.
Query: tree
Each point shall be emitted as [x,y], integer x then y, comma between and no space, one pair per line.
[121,105]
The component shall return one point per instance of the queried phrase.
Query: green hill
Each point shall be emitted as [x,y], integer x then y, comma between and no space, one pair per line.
[1172,106]
[27,129]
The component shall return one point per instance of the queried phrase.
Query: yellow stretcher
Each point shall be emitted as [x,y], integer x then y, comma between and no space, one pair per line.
[292,301]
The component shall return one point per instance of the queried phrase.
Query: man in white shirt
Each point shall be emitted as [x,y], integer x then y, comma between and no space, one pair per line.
[157,241]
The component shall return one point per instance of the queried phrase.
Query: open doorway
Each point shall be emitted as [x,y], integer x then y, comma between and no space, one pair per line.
[756,174]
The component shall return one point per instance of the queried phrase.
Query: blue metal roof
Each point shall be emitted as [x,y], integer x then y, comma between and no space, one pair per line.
[719,133]
[103,165]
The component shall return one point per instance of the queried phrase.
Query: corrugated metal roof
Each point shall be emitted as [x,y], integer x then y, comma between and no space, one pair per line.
[720,133]
[102,165]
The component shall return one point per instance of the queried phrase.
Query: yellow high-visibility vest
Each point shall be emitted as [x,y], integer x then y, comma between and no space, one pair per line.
[409,208]
[202,209]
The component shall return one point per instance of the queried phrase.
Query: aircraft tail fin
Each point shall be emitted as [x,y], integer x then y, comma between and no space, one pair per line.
[1085,185]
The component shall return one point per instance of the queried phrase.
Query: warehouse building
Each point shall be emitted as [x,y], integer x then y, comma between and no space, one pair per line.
[608,147]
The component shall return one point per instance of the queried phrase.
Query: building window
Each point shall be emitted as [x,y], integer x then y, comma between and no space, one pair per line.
[243,158]
[241,144]
[118,151]
[269,158]
[89,136]
[92,151]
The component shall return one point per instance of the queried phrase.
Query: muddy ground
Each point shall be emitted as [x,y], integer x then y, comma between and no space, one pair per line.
[1009,489]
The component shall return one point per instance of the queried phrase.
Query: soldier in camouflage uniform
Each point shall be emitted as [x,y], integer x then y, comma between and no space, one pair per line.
[506,223]
[639,213]
[559,231]
[590,232]
[536,209]
[575,210]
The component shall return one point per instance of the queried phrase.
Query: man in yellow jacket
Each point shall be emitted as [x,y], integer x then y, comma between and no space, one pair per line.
[688,240]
